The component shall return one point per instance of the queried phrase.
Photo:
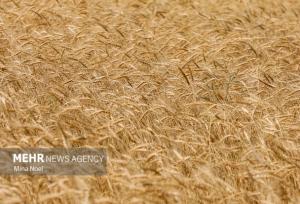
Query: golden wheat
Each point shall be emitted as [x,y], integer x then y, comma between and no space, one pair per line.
[195,101]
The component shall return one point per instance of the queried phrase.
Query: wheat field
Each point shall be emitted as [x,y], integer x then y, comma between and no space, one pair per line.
[194,101]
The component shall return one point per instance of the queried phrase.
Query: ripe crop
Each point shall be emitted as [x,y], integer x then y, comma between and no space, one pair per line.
[195,101]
